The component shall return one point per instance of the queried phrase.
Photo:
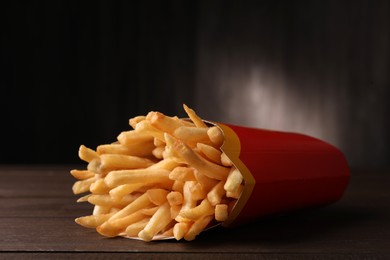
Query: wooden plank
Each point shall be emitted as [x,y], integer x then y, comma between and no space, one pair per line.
[358,224]
[43,207]
[189,256]
[49,181]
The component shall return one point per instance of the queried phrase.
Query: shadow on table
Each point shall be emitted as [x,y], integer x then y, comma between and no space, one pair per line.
[309,226]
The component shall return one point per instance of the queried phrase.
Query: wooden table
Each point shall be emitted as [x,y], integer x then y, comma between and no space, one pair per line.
[37,212]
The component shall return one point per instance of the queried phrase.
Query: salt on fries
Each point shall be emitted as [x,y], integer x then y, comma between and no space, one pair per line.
[165,178]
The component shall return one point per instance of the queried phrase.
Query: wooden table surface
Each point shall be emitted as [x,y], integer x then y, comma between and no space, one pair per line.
[38,209]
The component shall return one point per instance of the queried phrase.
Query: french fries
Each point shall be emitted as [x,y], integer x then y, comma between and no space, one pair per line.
[165,178]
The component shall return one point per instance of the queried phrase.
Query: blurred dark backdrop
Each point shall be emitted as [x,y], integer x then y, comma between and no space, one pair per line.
[74,72]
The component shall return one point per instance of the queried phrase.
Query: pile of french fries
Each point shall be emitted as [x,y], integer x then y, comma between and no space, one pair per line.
[165,178]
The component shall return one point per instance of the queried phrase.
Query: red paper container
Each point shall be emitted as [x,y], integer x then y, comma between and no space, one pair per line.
[282,172]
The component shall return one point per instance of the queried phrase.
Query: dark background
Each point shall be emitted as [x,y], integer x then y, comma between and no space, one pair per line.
[74,72]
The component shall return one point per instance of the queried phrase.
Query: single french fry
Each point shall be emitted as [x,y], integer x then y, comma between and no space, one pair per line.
[82,174]
[216,136]
[157,196]
[158,152]
[204,166]
[134,149]
[146,176]
[93,221]
[134,137]
[166,164]
[158,142]
[87,154]
[149,211]
[158,222]
[139,203]
[198,192]
[206,182]
[135,120]
[146,127]
[194,117]
[120,191]
[178,186]
[165,123]
[188,201]
[210,152]
[203,209]
[175,198]
[221,212]
[94,166]
[236,193]
[83,198]
[113,227]
[99,187]
[101,200]
[216,193]
[234,180]
[198,226]
[225,161]
[99,210]
[83,185]
[111,162]
[192,135]
[182,174]
[175,210]
[133,229]
[180,229]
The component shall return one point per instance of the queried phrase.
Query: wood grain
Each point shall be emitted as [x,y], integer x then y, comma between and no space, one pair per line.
[40,224]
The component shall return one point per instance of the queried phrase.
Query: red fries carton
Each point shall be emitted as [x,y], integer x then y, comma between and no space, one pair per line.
[282,172]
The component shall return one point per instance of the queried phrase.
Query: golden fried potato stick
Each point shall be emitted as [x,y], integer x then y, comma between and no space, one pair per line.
[147,127]
[121,224]
[210,152]
[98,210]
[180,229]
[225,161]
[157,196]
[83,185]
[194,117]
[99,187]
[158,222]
[203,209]
[234,180]
[133,229]
[120,191]
[205,167]
[87,154]
[198,226]
[182,174]
[140,203]
[165,123]
[216,193]
[236,193]
[109,162]
[134,137]
[135,120]
[82,174]
[146,176]
[166,164]
[93,221]
[175,198]
[216,136]
[188,201]
[133,149]
[192,135]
